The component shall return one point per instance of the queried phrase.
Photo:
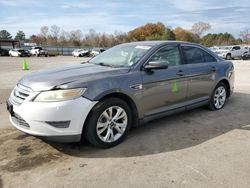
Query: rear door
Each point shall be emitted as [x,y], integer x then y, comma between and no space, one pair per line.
[201,68]
[165,89]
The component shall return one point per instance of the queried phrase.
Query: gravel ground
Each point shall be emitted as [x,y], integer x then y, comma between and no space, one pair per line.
[198,148]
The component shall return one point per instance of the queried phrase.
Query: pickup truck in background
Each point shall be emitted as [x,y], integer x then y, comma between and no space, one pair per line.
[231,52]
[38,51]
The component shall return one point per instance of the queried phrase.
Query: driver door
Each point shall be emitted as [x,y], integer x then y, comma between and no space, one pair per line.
[165,89]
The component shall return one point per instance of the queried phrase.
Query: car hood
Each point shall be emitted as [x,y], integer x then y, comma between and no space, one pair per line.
[222,51]
[81,73]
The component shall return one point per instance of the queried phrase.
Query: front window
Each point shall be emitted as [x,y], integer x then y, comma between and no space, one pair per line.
[121,55]
[236,48]
[169,55]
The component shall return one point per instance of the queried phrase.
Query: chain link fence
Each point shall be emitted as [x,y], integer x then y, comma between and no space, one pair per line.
[53,50]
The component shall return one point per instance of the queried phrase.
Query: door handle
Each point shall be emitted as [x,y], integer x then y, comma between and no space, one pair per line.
[180,73]
[213,69]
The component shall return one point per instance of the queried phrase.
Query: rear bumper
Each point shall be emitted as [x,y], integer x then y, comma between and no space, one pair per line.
[59,121]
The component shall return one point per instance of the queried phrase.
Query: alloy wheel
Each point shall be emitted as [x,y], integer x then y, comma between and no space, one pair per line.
[112,124]
[220,97]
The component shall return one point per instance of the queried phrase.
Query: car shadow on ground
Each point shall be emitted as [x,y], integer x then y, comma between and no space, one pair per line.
[172,133]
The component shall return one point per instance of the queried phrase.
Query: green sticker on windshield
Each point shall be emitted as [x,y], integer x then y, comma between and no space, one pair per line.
[174,87]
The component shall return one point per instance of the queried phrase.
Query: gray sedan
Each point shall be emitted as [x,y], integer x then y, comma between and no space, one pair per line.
[125,86]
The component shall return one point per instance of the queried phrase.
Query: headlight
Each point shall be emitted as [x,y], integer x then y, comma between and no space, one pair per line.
[59,95]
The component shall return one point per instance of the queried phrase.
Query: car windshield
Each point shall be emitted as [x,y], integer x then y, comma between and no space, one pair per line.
[121,55]
[225,47]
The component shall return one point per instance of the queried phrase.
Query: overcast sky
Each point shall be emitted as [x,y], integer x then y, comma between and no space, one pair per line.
[110,15]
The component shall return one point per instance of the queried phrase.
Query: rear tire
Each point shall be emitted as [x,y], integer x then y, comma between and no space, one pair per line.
[228,57]
[108,123]
[219,97]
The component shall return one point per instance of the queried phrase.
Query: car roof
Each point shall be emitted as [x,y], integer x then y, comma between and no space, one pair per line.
[156,43]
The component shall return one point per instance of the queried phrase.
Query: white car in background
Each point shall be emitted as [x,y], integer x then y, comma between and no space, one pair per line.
[96,51]
[38,51]
[214,48]
[19,53]
[231,52]
[80,52]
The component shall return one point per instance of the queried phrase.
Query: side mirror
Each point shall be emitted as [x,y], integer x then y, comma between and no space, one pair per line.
[156,65]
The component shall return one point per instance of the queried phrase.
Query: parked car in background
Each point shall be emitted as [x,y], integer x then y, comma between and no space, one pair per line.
[246,56]
[214,48]
[80,52]
[4,52]
[19,53]
[122,87]
[38,51]
[231,52]
[96,51]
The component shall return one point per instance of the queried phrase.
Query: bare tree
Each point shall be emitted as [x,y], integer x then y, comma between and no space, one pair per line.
[44,30]
[75,37]
[36,39]
[200,27]
[55,31]
[245,35]
[120,37]
[53,36]
[63,38]
[92,38]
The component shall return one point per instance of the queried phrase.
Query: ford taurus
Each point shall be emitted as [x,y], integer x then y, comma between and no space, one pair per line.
[125,86]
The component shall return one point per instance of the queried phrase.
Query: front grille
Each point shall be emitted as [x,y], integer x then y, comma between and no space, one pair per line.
[20,121]
[19,94]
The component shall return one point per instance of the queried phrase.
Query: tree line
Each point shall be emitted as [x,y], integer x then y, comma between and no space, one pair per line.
[56,36]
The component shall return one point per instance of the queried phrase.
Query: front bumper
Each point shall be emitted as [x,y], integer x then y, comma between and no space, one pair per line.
[223,55]
[42,118]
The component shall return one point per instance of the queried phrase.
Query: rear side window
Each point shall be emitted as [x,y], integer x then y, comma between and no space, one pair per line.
[169,55]
[193,55]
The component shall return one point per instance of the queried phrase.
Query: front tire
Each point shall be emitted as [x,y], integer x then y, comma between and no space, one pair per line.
[228,57]
[108,123]
[219,97]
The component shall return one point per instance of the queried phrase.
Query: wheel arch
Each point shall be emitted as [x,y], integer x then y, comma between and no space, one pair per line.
[126,98]
[129,101]
[227,84]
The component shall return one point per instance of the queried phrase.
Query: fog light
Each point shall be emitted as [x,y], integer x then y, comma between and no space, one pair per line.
[59,124]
